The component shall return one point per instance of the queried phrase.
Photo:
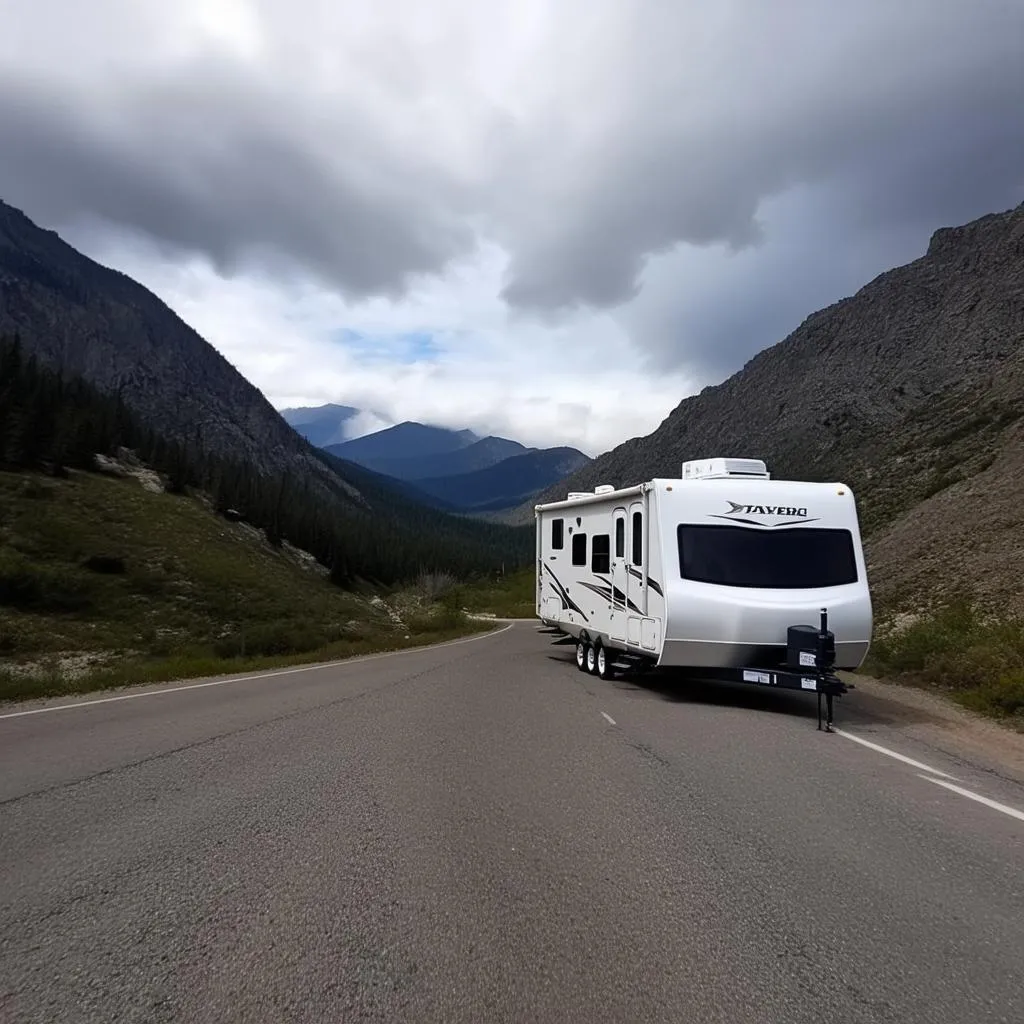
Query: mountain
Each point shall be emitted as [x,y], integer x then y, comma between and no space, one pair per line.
[505,484]
[99,324]
[412,451]
[321,425]
[205,422]
[457,471]
[407,441]
[912,392]
[487,451]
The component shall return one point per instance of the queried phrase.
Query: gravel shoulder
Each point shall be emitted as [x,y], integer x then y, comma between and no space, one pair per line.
[930,719]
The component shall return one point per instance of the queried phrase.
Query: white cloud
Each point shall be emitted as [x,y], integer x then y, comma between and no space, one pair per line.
[580,382]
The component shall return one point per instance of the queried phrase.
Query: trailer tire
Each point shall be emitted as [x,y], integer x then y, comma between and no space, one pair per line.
[581,654]
[604,664]
[592,650]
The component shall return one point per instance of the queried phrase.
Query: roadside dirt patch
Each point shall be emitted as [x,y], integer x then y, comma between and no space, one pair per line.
[932,720]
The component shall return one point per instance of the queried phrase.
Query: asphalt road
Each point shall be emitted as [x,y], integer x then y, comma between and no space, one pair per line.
[481,833]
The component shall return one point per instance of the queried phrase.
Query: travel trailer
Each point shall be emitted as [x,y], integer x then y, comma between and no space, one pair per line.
[724,571]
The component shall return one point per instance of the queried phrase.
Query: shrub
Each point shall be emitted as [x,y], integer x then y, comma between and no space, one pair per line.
[40,588]
[271,639]
[445,618]
[979,659]
[452,601]
[435,585]
[1003,698]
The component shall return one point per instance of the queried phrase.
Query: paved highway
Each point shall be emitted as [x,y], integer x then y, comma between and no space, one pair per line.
[478,832]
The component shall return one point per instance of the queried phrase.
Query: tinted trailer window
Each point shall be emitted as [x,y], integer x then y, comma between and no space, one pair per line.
[792,559]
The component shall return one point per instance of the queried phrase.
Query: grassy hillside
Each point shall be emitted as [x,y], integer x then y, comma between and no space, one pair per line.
[103,581]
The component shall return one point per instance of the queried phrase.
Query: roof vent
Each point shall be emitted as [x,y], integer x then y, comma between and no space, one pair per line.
[719,469]
[573,495]
[603,489]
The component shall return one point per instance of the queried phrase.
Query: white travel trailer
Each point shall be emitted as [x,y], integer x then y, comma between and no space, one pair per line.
[724,571]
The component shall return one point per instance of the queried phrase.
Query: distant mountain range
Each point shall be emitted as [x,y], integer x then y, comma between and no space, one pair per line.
[398,450]
[458,470]
[504,484]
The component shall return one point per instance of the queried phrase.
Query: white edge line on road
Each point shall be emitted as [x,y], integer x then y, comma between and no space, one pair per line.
[259,675]
[892,753]
[611,721]
[1011,811]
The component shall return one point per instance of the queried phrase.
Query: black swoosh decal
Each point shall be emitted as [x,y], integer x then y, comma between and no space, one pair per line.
[567,601]
[605,592]
[652,583]
[729,518]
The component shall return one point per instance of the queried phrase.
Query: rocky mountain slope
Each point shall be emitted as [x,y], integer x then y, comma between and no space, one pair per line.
[912,392]
[94,322]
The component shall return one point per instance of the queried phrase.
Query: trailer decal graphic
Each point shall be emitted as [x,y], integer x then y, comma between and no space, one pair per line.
[605,592]
[652,583]
[613,594]
[563,594]
[618,597]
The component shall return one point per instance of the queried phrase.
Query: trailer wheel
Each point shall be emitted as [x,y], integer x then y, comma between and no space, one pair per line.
[581,654]
[604,664]
[592,658]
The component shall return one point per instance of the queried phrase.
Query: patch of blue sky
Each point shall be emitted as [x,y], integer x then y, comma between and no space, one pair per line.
[403,347]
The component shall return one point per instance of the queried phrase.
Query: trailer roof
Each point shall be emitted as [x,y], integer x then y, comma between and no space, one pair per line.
[594,497]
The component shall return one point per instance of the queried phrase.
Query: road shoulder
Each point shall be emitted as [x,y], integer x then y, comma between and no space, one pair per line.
[884,708]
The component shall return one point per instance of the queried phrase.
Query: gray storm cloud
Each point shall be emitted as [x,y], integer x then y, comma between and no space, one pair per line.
[915,109]
[216,164]
[661,128]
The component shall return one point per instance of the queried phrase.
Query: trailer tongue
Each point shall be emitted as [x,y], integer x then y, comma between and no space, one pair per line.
[810,660]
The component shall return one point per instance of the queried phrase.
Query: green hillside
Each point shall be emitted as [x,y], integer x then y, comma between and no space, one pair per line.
[103,581]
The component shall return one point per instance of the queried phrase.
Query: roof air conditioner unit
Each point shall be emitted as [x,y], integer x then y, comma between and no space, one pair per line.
[723,469]
[603,489]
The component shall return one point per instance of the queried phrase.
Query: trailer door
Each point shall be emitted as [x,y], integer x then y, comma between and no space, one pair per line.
[636,572]
[620,577]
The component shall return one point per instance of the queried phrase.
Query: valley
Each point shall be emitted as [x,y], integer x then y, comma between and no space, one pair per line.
[911,391]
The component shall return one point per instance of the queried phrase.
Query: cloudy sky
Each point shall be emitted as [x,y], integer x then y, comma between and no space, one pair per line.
[551,220]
